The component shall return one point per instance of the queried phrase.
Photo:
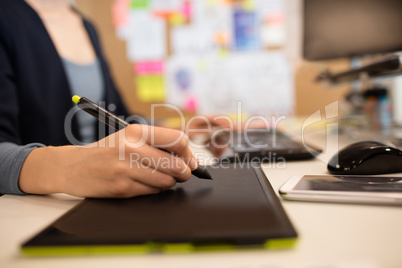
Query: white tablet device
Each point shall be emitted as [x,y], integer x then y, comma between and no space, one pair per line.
[344,189]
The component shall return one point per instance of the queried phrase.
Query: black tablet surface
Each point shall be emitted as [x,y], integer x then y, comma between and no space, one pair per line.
[237,208]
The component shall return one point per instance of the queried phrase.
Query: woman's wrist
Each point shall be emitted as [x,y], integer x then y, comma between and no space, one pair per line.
[42,171]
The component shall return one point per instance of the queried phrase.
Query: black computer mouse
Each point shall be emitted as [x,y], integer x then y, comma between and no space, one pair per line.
[366,158]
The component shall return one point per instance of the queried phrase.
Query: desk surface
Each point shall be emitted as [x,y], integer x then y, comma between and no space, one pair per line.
[330,235]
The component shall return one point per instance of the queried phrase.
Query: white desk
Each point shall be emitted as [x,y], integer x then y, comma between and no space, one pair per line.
[330,235]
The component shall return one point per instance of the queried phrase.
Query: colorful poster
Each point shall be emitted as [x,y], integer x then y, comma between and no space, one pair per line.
[245,30]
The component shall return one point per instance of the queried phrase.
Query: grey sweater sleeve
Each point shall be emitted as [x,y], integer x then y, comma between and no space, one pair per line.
[12,156]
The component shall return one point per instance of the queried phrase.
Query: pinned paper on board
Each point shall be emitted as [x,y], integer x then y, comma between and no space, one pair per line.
[260,81]
[165,5]
[245,30]
[182,82]
[146,40]
[273,30]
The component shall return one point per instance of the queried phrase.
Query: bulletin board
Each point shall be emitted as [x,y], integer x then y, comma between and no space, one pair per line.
[202,56]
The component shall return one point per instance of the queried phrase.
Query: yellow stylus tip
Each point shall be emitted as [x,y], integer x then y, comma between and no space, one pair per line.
[76,98]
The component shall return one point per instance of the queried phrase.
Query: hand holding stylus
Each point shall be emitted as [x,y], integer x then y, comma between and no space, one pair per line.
[124,164]
[112,167]
[113,121]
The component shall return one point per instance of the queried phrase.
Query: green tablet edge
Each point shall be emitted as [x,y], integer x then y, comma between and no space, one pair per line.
[283,243]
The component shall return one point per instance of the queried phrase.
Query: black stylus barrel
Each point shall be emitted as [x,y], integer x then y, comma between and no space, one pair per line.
[101,114]
[117,123]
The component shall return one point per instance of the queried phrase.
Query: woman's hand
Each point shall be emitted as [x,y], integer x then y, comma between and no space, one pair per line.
[209,124]
[124,164]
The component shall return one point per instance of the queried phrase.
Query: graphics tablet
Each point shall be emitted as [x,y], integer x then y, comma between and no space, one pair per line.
[237,208]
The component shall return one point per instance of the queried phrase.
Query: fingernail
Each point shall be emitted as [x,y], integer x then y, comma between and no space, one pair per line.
[193,164]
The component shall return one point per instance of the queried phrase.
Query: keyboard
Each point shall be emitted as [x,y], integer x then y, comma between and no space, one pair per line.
[259,145]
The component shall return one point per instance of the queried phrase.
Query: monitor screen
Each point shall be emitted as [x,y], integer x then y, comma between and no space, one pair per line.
[346,28]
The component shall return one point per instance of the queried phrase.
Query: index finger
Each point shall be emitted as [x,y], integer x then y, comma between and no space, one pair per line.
[167,139]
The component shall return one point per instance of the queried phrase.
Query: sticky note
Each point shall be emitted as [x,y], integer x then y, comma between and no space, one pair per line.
[191,104]
[120,12]
[139,4]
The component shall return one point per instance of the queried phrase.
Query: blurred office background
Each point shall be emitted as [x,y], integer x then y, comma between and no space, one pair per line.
[206,56]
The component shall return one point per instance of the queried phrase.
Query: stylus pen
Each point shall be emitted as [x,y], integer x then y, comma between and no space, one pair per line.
[115,122]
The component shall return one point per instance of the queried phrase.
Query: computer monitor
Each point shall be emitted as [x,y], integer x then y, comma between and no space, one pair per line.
[346,28]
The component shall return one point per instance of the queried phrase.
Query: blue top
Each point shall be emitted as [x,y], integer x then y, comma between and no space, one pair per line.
[35,94]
